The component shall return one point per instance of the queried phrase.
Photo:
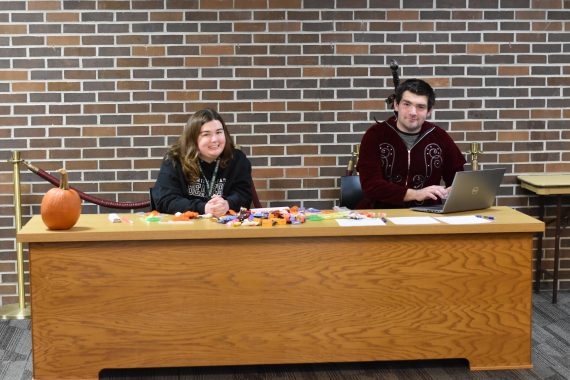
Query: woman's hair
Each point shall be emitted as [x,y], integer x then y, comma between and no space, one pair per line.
[418,87]
[186,148]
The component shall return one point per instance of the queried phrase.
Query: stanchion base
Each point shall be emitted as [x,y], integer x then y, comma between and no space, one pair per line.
[13,311]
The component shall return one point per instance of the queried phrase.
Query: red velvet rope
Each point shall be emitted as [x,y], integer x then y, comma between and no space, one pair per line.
[86,197]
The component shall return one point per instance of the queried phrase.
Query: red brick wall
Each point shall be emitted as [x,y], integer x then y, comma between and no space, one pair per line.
[103,87]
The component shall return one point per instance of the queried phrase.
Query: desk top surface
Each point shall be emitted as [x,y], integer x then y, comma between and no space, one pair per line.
[97,227]
[547,184]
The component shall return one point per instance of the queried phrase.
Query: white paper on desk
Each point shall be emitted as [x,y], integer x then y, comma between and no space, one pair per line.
[407,220]
[466,219]
[360,222]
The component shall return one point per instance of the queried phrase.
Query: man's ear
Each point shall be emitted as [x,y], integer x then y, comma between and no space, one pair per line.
[429,113]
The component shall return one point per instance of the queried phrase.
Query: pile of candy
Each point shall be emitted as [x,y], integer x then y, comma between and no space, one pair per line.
[266,217]
[365,215]
[155,216]
[278,216]
[281,216]
[184,216]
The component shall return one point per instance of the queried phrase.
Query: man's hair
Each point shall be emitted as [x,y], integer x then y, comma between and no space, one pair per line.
[418,87]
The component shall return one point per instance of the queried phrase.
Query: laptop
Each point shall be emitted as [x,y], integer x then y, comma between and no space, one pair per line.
[470,190]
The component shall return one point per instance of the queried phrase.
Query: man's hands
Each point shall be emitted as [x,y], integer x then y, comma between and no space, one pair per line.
[217,206]
[431,192]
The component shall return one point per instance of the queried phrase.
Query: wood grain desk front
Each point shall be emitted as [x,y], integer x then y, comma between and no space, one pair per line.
[556,185]
[107,295]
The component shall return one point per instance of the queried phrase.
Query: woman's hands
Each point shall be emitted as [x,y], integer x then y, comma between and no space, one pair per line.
[217,206]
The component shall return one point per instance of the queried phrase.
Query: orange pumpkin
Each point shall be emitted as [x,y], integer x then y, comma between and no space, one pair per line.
[61,206]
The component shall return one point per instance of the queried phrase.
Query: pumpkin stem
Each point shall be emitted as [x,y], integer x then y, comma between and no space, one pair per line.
[64,183]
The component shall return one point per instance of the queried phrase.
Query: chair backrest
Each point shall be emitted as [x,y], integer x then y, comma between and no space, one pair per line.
[254,199]
[350,191]
[152,204]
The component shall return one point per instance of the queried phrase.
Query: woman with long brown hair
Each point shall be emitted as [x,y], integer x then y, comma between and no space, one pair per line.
[202,171]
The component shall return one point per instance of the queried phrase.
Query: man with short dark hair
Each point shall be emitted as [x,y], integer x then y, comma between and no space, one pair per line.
[403,159]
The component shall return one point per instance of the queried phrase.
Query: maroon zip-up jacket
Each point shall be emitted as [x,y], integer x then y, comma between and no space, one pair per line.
[387,169]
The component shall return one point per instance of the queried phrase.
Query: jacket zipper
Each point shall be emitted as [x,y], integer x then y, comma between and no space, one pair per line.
[410,152]
[408,171]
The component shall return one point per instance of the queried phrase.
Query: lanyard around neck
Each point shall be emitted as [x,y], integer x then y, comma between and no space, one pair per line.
[210,185]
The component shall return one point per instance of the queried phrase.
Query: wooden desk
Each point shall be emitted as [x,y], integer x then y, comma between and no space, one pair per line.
[109,295]
[548,185]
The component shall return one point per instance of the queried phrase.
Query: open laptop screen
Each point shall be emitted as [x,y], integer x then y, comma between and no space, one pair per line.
[471,190]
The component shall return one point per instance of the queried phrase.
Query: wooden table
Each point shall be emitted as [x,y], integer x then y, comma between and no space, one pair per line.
[556,185]
[117,295]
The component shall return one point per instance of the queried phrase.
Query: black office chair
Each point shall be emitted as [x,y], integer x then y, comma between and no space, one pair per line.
[350,191]
[152,204]
[254,199]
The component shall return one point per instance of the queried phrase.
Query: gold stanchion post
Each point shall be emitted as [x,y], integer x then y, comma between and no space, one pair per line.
[474,152]
[20,310]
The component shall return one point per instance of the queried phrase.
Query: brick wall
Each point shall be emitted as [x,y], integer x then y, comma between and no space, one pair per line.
[103,87]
